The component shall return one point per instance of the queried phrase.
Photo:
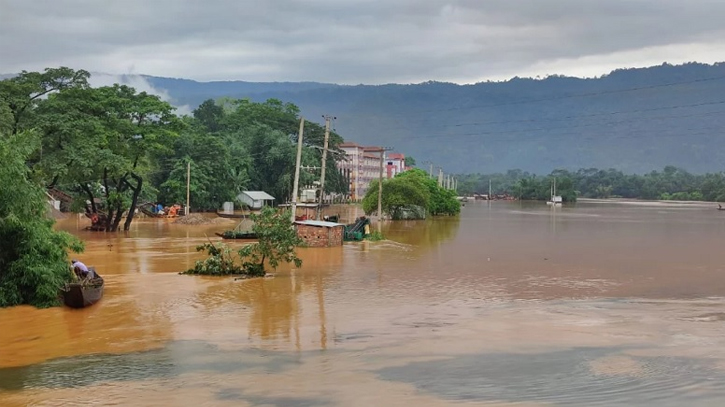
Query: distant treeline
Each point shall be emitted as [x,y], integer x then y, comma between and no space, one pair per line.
[670,183]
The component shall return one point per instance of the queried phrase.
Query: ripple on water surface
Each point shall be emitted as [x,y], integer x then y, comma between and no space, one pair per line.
[577,377]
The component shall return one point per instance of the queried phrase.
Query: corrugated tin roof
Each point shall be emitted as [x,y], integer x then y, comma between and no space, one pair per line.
[318,223]
[258,195]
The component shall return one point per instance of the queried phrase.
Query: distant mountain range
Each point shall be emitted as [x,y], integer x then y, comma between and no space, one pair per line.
[635,120]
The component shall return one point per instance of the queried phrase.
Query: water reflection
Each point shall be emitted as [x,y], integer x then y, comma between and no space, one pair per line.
[423,234]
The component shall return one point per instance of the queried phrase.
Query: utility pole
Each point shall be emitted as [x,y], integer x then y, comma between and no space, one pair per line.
[440,177]
[324,164]
[430,172]
[380,189]
[489,189]
[188,183]
[296,187]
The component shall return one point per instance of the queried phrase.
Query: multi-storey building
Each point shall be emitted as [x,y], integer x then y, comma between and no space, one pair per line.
[363,165]
[395,164]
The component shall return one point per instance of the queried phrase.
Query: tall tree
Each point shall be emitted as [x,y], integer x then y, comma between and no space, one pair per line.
[34,256]
[22,93]
[105,136]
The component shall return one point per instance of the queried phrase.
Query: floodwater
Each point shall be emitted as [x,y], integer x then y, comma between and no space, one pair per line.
[600,304]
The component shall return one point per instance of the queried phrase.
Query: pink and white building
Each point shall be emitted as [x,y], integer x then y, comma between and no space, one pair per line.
[363,165]
[395,164]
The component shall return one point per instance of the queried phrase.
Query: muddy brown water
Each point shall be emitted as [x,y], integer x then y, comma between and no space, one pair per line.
[600,304]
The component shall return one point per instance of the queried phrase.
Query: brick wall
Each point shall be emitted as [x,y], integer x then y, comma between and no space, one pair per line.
[318,236]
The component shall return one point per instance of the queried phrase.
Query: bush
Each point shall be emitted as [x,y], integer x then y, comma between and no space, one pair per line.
[221,261]
[277,240]
[375,236]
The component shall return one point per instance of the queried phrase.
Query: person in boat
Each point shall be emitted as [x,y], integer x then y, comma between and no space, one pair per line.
[82,271]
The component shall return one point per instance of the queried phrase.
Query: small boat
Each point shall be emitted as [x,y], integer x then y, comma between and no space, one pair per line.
[230,234]
[720,208]
[83,294]
[229,215]
[555,200]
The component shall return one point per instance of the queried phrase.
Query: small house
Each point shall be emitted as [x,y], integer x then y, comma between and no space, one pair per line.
[317,233]
[255,199]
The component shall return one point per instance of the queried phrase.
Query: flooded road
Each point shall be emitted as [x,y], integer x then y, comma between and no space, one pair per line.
[601,304]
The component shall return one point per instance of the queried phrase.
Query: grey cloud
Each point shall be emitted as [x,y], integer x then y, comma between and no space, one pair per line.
[367,41]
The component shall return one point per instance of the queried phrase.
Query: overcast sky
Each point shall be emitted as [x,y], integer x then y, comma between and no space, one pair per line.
[365,41]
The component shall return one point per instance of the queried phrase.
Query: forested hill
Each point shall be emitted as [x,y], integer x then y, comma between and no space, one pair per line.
[634,120]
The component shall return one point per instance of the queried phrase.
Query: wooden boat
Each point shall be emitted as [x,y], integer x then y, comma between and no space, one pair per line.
[83,294]
[229,234]
[231,215]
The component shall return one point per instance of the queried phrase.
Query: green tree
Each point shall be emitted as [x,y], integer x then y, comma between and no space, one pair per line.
[33,258]
[219,168]
[256,143]
[409,161]
[441,201]
[277,239]
[410,190]
[104,137]
[276,244]
[220,261]
[400,195]
[21,94]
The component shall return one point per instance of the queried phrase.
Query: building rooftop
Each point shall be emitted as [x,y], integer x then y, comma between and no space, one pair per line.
[320,223]
[349,144]
[396,156]
[258,195]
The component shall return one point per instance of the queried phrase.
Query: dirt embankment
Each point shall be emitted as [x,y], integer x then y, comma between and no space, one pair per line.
[200,219]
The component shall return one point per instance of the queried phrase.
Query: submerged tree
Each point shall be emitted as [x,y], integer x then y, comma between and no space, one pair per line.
[411,193]
[277,240]
[220,261]
[400,196]
[33,256]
